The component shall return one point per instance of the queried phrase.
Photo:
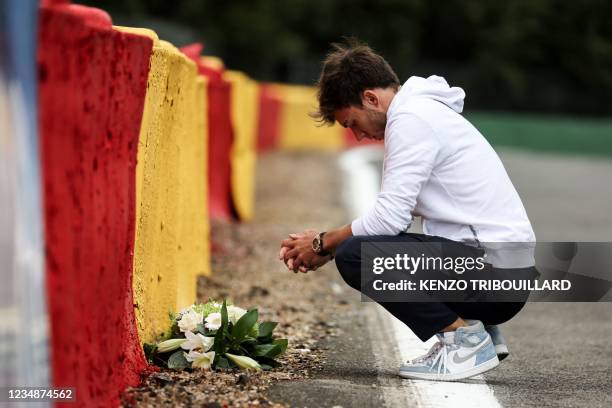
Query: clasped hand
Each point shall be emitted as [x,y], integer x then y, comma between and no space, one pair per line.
[296,251]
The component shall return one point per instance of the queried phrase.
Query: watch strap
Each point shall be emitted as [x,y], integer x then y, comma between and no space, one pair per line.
[322,251]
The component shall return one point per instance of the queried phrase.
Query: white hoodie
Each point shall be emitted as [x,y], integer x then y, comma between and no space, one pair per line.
[438,166]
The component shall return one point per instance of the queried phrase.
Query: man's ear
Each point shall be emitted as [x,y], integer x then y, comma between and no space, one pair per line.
[370,98]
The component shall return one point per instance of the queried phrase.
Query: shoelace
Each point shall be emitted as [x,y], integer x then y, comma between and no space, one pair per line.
[441,358]
[438,353]
[432,351]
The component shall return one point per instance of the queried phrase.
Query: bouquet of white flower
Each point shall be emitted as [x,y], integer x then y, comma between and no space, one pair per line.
[217,335]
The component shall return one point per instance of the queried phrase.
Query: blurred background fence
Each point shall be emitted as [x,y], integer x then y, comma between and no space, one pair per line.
[138,143]
[550,56]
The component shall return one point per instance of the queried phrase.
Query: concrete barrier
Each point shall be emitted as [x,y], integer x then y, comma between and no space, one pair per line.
[285,122]
[220,133]
[298,131]
[172,246]
[244,110]
[92,82]
[268,125]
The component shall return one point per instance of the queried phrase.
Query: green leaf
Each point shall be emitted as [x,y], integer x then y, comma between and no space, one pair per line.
[174,330]
[220,344]
[266,329]
[254,332]
[248,340]
[266,350]
[222,362]
[282,343]
[177,361]
[149,350]
[244,324]
[271,350]
[224,318]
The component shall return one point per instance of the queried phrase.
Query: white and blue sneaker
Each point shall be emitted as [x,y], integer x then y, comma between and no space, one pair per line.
[457,355]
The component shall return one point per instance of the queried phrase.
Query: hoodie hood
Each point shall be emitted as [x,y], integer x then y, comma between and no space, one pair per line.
[436,88]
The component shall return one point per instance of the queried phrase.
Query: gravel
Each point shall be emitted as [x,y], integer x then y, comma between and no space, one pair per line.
[294,192]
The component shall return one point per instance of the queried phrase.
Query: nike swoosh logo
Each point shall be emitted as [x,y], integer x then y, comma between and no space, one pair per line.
[457,359]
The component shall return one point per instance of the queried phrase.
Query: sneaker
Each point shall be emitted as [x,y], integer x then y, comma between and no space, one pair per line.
[457,355]
[498,341]
[501,348]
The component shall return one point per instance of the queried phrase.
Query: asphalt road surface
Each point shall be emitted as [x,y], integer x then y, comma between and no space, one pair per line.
[561,353]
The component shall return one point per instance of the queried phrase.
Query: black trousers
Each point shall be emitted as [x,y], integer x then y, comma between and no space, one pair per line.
[424,318]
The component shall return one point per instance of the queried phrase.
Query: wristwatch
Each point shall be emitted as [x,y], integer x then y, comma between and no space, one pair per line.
[317,245]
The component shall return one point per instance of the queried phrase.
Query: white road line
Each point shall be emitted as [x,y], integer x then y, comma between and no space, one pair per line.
[362,178]
[362,184]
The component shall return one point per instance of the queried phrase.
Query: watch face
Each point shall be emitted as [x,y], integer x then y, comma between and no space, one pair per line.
[316,244]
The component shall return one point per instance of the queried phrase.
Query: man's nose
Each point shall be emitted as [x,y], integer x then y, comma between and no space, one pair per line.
[358,134]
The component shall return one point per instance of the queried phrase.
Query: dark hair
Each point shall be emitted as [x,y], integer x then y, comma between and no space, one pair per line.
[349,69]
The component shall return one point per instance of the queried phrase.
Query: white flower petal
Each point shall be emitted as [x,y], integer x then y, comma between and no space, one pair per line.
[235,313]
[213,321]
[200,360]
[243,361]
[207,343]
[189,321]
[169,345]
[197,342]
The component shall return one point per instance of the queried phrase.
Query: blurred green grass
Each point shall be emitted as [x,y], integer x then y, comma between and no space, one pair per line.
[543,133]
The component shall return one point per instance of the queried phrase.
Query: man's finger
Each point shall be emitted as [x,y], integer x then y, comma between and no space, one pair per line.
[283,251]
[292,253]
[296,263]
[289,242]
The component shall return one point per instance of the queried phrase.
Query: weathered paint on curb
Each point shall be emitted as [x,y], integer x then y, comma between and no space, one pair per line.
[92,82]
[244,111]
[171,246]
[298,131]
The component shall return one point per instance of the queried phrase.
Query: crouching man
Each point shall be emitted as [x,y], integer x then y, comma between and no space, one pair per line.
[437,166]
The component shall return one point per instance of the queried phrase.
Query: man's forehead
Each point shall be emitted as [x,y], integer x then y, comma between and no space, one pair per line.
[343,116]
